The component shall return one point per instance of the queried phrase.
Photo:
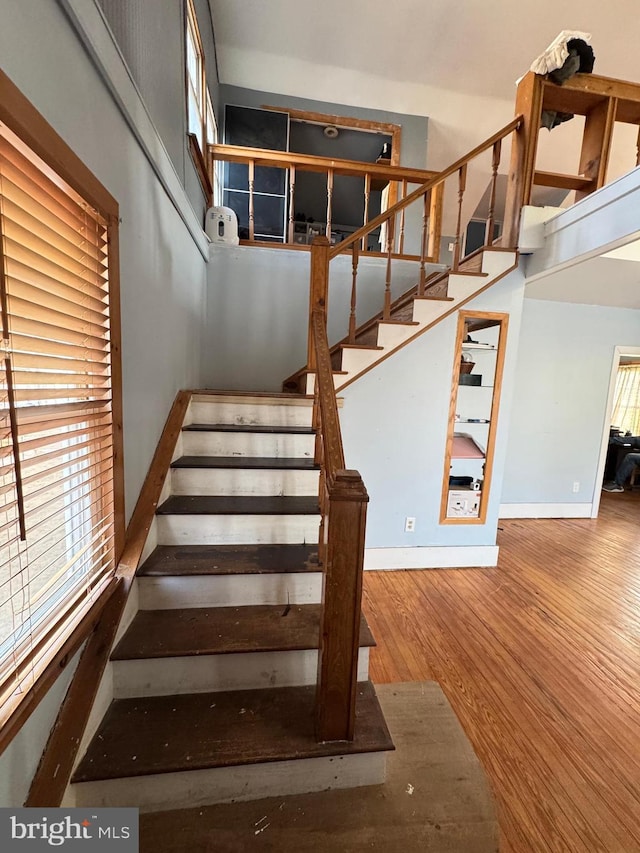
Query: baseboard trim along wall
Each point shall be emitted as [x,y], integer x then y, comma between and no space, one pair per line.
[430,557]
[545,511]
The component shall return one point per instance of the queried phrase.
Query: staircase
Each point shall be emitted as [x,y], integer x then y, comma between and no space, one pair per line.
[410,316]
[214,680]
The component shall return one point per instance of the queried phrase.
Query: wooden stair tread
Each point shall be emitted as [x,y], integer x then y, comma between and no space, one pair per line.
[249,428]
[435,298]
[239,505]
[224,630]
[165,734]
[360,346]
[189,560]
[256,462]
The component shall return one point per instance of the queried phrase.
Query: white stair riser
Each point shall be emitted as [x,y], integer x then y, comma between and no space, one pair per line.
[210,673]
[196,443]
[338,380]
[167,593]
[356,360]
[190,789]
[393,335]
[237,529]
[495,263]
[426,311]
[246,414]
[463,286]
[242,481]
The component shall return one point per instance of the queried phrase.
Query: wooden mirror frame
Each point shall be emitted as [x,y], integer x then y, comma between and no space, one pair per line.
[486,319]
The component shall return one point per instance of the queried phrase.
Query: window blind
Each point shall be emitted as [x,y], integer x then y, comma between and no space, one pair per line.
[56,436]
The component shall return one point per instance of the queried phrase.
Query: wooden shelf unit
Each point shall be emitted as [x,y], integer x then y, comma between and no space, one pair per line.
[473,415]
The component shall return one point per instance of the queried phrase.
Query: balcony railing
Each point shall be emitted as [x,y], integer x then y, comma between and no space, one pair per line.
[374,179]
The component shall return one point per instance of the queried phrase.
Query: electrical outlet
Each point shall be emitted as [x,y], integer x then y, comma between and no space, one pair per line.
[409,524]
[452,246]
[576,487]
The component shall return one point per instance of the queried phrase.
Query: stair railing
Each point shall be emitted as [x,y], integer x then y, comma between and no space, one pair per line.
[430,196]
[343,507]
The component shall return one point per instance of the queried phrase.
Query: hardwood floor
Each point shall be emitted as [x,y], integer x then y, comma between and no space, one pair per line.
[540,659]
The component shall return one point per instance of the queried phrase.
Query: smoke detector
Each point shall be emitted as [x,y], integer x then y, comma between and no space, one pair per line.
[331,131]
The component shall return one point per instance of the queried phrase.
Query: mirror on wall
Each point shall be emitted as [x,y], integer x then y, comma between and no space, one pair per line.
[473,415]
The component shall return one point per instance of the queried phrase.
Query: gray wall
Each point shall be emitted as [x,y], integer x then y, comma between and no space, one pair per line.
[150,34]
[258,309]
[162,272]
[562,382]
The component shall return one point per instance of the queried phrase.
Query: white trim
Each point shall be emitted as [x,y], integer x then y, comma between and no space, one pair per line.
[431,557]
[576,510]
[94,32]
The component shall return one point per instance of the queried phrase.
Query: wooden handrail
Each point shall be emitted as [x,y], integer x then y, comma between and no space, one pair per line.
[429,184]
[333,450]
[343,506]
[312,163]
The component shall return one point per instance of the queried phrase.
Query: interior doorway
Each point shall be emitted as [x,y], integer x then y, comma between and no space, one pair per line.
[621,355]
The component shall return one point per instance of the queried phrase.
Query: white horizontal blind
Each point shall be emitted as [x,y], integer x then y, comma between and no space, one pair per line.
[56,451]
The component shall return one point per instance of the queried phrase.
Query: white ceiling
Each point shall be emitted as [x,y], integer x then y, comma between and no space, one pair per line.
[477,48]
[454,62]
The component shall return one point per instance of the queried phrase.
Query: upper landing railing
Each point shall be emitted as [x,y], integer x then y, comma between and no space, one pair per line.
[277,174]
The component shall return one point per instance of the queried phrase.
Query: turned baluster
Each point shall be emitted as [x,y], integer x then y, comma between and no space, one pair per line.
[292,195]
[252,171]
[462,182]
[404,195]
[354,277]
[426,200]
[329,200]
[367,194]
[495,165]
[386,313]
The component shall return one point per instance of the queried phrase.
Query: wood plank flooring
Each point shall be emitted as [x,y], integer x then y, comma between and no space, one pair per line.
[540,659]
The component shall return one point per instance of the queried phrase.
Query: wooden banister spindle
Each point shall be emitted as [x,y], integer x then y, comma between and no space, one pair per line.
[367,195]
[329,202]
[495,165]
[354,279]
[426,198]
[401,240]
[435,222]
[386,312]
[252,180]
[462,183]
[292,201]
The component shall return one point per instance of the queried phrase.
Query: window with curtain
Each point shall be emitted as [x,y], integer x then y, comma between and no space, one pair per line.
[626,405]
[56,423]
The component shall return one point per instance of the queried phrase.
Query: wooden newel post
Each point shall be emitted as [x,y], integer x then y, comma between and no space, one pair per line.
[318,290]
[341,608]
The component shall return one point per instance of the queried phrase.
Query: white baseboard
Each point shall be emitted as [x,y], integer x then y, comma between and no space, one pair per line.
[431,557]
[545,510]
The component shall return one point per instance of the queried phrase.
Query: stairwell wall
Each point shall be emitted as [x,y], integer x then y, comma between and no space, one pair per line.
[163,253]
[402,408]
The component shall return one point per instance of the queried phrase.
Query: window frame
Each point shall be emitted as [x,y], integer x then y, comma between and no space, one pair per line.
[198,142]
[22,118]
